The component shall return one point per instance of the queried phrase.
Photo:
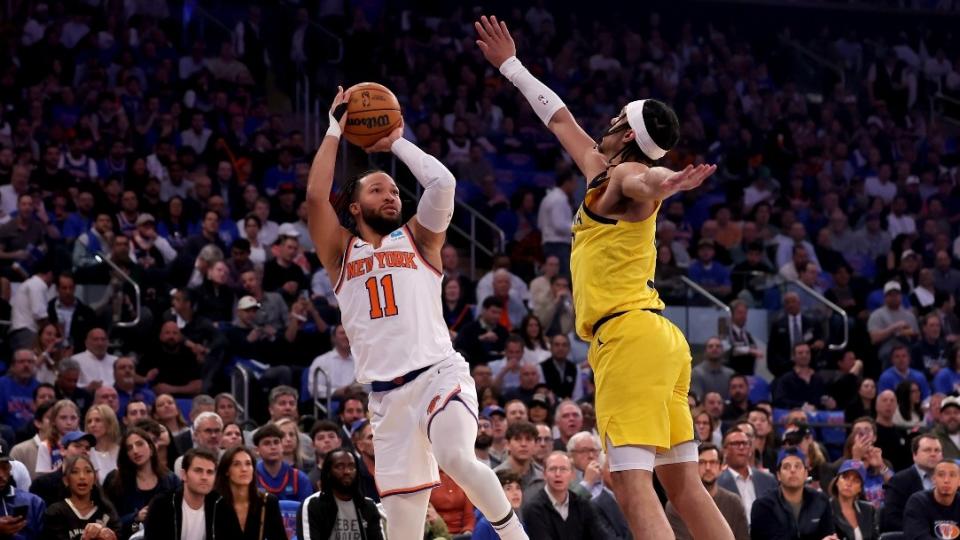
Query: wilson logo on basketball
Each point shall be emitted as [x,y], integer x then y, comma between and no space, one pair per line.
[369,122]
[946,530]
[433,404]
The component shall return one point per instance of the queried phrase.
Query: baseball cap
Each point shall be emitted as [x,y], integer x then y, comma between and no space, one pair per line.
[951,401]
[491,410]
[705,242]
[287,229]
[854,465]
[75,436]
[891,286]
[4,452]
[538,400]
[247,302]
[913,180]
[145,218]
[908,253]
[788,452]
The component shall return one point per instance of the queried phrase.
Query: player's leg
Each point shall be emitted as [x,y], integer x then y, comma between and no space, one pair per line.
[631,468]
[406,514]
[453,431]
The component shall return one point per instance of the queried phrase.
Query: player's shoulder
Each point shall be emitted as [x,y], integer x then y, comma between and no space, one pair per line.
[627,168]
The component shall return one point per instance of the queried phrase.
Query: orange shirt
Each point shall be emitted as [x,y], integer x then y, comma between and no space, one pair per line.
[452,504]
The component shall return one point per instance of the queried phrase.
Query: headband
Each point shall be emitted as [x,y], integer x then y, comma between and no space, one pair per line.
[634,111]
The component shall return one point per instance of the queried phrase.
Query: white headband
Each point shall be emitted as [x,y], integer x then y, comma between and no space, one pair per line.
[634,111]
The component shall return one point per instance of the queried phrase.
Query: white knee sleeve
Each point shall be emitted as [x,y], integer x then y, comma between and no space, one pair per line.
[681,453]
[646,458]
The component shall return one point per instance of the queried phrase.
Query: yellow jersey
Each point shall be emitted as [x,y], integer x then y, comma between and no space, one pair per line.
[612,264]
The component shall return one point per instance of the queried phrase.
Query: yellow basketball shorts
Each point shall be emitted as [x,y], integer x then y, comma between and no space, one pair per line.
[641,365]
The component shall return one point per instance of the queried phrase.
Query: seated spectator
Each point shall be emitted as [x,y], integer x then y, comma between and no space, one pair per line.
[667,276]
[60,518]
[17,389]
[215,298]
[900,371]
[521,439]
[711,275]
[65,417]
[362,441]
[773,515]
[506,371]
[744,349]
[206,432]
[738,405]
[514,310]
[711,375]
[243,508]
[101,422]
[196,494]
[125,376]
[891,439]
[559,372]
[323,511]
[929,353]
[542,519]
[96,364]
[29,524]
[891,323]
[336,369]
[909,414]
[789,330]
[151,250]
[947,380]
[535,346]
[802,387]
[927,452]
[138,478]
[175,369]
[585,452]
[277,477]
[740,477]
[568,420]
[456,311]
[947,428]
[282,274]
[852,516]
[67,310]
[514,492]
[134,412]
[936,512]
[730,505]
[50,349]
[483,340]
[518,287]
[556,309]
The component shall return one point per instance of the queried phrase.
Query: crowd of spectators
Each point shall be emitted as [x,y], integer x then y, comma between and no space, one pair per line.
[135,147]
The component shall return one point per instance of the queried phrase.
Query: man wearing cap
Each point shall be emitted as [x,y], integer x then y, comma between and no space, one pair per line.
[150,249]
[17,527]
[498,424]
[948,427]
[900,371]
[272,310]
[934,514]
[50,486]
[927,452]
[891,321]
[521,442]
[713,276]
[793,510]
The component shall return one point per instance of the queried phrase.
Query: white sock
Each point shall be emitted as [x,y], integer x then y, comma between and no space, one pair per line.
[511,529]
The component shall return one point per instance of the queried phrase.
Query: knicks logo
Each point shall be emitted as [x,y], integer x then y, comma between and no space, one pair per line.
[946,530]
[433,404]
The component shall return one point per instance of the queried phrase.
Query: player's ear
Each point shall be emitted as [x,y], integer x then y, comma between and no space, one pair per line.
[629,135]
[354,208]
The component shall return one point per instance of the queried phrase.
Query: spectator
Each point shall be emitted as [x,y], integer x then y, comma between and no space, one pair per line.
[852,516]
[554,219]
[569,421]
[556,310]
[585,451]
[773,515]
[17,389]
[900,371]
[96,364]
[456,311]
[788,331]
[948,428]
[28,307]
[739,477]
[341,505]
[65,386]
[60,517]
[927,452]
[483,340]
[134,412]
[215,298]
[18,527]
[282,272]
[802,387]
[173,368]
[711,375]
[559,372]
[744,348]
[738,406]
[450,501]
[555,511]
[243,508]
[125,376]
[891,438]
[273,474]
[516,411]
[101,422]
[50,349]
[929,353]
[730,505]
[65,418]
[484,441]
[363,443]
[711,275]
[891,322]
[336,368]
[206,432]
[909,414]
[450,260]
[512,489]
[521,439]
[506,371]
[191,510]
[518,287]
[936,512]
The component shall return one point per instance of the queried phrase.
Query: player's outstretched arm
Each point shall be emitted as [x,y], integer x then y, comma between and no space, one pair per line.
[641,183]
[499,49]
[435,209]
[327,234]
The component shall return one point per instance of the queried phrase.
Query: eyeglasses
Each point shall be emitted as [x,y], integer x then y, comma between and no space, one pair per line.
[554,470]
[544,439]
[586,451]
[738,444]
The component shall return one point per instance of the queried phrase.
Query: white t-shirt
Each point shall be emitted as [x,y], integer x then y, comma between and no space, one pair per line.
[347,526]
[194,524]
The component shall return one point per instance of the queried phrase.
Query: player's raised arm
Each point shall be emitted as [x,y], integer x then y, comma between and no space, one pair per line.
[435,209]
[499,49]
[325,230]
[641,183]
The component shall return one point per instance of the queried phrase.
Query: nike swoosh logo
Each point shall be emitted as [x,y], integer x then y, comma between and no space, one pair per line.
[358,246]
[600,343]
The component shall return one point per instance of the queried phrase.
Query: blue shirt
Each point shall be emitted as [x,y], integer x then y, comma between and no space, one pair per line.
[16,401]
[891,378]
[716,275]
[75,225]
[946,382]
[35,509]
[290,484]
[140,393]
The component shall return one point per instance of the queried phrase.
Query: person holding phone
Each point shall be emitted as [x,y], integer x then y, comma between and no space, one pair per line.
[21,512]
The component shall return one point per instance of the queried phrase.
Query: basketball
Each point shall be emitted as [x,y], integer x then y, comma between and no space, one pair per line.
[372,113]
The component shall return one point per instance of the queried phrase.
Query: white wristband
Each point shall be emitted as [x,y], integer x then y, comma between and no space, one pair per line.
[545,102]
[334,129]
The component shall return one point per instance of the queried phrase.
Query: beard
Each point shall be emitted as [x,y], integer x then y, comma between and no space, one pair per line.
[381,224]
[483,441]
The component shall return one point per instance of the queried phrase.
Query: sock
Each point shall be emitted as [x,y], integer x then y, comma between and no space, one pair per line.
[509,528]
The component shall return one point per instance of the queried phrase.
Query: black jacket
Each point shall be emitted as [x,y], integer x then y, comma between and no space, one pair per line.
[84,319]
[866,520]
[322,516]
[183,441]
[896,493]
[779,353]
[543,522]
[165,516]
[476,351]
[772,518]
[228,524]
[49,487]
[561,384]
[924,517]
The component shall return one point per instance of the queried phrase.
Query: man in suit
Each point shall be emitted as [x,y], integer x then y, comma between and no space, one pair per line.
[201,404]
[75,317]
[730,505]
[559,372]
[792,328]
[927,452]
[483,340]
[744,481]
[557,513]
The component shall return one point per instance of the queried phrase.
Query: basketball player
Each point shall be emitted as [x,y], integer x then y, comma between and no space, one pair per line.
[388,285]
[641,361]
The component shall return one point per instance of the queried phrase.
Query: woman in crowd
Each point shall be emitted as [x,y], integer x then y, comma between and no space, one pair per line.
[65,417]
[101,422]
[704,425]
[162,440]
[291,444]
[139,477]
[166,412]
[227,407]
[50,348]
[252,226]
[452,504]
[174,225]
[216,299]
[909,414]
[667,276]
[853,517]
[232,436]
[247,514]
[84,513]
[535,348]
[865,404]
[456,311]
[765,442]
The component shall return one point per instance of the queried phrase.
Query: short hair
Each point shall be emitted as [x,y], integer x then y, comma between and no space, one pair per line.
[515,338]
[201,400]
[134,402]
[204,416]
[269,430]
[198,453]
[507,477]
[729,432]
[492,301]
[581,436]
[739,376]
[36,391]
[522,427]
[283,390]
[897,346]
[707,446]
[323,425]
[915,444]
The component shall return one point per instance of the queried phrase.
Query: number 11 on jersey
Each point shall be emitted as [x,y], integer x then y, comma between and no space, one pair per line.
[389,306]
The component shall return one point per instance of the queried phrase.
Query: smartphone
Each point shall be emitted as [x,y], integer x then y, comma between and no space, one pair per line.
[18,511]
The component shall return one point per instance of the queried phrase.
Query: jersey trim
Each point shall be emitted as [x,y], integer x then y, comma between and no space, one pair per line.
[603,220]
[409,490]
[343,264]
[416,249]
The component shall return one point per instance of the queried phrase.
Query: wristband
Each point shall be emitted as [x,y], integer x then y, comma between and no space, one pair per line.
[334,117]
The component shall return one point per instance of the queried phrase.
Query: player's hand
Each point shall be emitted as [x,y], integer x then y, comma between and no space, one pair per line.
[495,41]
[689,178]
[384,144]
[342,98]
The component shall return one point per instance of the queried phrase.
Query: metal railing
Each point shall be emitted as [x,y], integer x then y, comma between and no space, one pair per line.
[716,302]
[329,394]
[240,388]
[816,58]
[833,307]
[102,257]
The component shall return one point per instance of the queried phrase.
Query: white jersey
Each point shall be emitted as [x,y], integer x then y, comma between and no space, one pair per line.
[390,307]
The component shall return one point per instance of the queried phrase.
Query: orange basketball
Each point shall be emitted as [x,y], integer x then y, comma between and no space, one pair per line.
[372,112]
